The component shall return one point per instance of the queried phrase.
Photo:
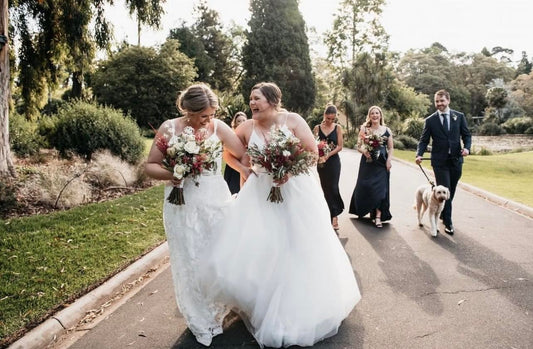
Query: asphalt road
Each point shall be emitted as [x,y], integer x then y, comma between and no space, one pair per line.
[470,290]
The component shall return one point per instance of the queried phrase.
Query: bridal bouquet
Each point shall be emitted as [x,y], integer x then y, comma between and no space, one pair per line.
[188,155]
[323,150]
[282,154]
[372,143]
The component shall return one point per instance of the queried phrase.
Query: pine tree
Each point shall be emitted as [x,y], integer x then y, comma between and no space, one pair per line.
[277,50]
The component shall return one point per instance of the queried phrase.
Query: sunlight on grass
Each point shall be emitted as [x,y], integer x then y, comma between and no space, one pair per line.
[507,175]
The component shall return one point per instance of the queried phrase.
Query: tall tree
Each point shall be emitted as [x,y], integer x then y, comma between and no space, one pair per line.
[147,12]
[277,50]
[6,163]
[64,34]
[524,66]
[214,50]
[358,47]
[144,82]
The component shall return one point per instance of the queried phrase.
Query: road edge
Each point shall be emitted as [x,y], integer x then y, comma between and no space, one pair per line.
[46,333]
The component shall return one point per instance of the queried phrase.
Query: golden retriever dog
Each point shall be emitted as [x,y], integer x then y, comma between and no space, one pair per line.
[431,198]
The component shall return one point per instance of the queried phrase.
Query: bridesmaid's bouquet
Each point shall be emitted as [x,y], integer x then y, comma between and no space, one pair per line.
[323,150]
[188,155]
[372,143]
[282,155]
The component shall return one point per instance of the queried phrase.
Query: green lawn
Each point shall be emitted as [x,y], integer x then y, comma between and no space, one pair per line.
[507,175]
[48,260]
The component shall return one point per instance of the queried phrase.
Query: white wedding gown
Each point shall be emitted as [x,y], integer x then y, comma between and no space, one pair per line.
[189,229]
[281,265]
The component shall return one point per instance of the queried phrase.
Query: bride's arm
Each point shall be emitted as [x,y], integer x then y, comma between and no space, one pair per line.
[301,130]
[152,166]
[235,153]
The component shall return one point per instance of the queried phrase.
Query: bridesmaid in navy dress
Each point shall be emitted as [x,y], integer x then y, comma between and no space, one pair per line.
[232,177]
[371,193]
[329,165]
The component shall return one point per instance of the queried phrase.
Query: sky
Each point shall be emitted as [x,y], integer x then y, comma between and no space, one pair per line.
[469,25]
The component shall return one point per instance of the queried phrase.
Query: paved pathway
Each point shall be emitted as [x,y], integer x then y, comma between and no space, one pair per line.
[470,290]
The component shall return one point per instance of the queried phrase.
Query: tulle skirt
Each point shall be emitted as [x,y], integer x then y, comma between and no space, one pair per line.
[281,265]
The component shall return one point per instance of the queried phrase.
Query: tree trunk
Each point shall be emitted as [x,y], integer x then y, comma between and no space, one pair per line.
[77,84]
[6,163]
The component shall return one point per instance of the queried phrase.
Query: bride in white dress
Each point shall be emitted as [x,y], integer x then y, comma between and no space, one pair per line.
[189,227]
[280,265]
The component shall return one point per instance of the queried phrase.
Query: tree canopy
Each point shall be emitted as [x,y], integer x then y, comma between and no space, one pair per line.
[144,82]
[277,50]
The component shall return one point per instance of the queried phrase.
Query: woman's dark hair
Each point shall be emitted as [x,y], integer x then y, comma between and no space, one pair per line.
[330,109]
[271,91]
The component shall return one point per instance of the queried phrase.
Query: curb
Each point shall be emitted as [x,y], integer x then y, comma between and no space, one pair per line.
[47,332]
[498,200]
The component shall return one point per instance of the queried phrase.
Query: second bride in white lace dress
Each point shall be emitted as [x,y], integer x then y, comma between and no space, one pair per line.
[281,265]
[189,227]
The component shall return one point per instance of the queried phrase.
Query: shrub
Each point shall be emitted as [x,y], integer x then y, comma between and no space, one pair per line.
[53,106]
[350,142]
[413,127]
[410,143]
[58,184]
[85,128]
[398,144]
[518,125]
[22,136]
[484,152]
[108,170]
[490,129]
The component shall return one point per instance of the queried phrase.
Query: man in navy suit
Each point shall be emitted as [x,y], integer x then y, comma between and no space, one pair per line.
[446,128]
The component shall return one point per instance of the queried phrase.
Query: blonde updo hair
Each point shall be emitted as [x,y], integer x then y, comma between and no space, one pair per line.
[196,98]
[272,93]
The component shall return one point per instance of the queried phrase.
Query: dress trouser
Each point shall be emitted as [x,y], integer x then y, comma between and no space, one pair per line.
[448,174]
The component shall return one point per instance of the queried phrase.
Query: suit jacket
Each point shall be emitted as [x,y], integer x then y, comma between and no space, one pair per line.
[445,144]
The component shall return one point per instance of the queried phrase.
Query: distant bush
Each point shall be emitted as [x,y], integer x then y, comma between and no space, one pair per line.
[22,136]
[85,128]
[489,129]
[53,106]
[350,142]
[484,151]
[398,144]
[410,143]
[413,127]
[518,125]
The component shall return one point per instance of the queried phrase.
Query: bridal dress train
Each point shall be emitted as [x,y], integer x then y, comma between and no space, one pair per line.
[280,266]
[189,231]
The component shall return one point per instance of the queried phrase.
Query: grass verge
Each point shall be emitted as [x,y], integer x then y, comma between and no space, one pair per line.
[507,175]
[47,261]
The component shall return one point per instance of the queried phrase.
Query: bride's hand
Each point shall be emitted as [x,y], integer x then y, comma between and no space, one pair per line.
[246,173]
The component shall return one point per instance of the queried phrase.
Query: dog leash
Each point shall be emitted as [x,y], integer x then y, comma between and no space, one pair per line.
[424,172]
